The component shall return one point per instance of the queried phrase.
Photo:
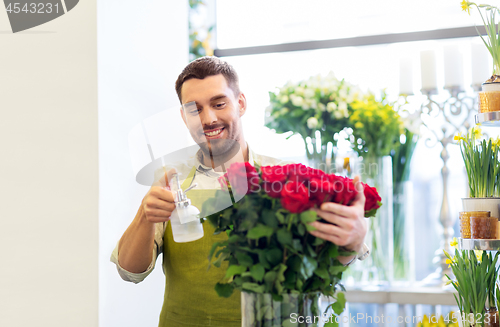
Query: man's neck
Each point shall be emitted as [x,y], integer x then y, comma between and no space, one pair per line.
[217,163]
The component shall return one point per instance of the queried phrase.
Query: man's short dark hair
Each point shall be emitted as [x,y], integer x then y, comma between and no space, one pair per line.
[208,66]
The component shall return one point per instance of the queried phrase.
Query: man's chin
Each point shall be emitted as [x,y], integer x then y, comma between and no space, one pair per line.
[222,148]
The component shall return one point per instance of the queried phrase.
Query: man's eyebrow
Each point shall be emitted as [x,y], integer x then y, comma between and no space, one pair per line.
[217,97]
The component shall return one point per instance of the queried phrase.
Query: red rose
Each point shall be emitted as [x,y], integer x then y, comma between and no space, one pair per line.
[372,198]
[343,189]
[298,173]
[321,189]
[274,178]
[243,178]
[295,197]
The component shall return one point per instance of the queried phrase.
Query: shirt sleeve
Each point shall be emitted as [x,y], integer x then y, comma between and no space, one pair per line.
[157,249]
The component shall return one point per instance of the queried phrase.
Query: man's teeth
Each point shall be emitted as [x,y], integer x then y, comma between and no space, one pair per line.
[214,133]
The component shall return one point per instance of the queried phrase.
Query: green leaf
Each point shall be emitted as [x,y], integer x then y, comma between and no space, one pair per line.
[322,273]
[334,270]
[269,218]
[274,256]
[244,259]
[224,290]
[257,271]
[269,279]
[260,231]
[308,266]
[253,287]
[309,216]
[234,270]
[284,236]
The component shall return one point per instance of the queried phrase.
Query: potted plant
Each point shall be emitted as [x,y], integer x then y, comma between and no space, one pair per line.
[483,171]
[475,274]
[280,268]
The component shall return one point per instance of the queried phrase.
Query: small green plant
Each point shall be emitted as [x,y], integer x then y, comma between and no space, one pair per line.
[481,163]
[492,42]
[475,277]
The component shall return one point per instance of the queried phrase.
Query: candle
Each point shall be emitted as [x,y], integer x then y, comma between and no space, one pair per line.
[428,70]
[453,67]
[481,67]
[405,76]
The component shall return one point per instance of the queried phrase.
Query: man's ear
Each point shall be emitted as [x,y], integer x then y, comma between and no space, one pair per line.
[183,115]
[242,102]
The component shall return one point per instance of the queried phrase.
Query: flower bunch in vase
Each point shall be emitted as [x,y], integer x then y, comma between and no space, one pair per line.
[316,109]
[376,130]
[279,267]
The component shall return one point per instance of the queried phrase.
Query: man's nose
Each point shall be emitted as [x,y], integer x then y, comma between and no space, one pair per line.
[208,116]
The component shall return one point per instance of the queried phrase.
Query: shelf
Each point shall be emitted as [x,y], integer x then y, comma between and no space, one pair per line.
[472,244]
[488,118]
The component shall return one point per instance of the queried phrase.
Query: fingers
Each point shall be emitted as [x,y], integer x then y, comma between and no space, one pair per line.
[336,208]
[329,237]
[360,199]
[161,193]
[158,204]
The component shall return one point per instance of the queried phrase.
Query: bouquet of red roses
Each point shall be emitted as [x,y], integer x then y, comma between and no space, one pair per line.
[297,186]
[268,249]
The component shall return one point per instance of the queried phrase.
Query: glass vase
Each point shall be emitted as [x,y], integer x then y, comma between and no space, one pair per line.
[404,232]
[378,268]
[260,310]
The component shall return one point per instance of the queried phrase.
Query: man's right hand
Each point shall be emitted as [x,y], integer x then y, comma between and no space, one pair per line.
[136,246]
[158,203]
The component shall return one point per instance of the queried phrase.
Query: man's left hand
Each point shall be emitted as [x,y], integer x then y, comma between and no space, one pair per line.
[347,226]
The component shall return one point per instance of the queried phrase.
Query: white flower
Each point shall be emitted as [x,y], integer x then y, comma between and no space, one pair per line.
[312,122]
[297,101]
[309,93]
[413,122]
[331,106]
[284,99]
[338,114]
[345,112]
[284,111]
[343,93]
[343,106]
[313,104]
[299,90]
[321,106]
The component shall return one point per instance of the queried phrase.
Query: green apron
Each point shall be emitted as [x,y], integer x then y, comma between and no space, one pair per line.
[190,297]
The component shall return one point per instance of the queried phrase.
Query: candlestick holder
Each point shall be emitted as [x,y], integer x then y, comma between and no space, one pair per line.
[444,117]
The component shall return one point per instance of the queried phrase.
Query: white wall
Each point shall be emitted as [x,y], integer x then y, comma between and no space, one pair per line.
[49,172]
[142,49]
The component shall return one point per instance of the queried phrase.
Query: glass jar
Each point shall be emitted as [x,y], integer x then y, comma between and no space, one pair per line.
[481,227]
[465,229]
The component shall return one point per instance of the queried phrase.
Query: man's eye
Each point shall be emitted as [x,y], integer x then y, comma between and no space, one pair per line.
[220,105]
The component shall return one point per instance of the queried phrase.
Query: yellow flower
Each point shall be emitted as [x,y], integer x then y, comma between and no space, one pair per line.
[466,6]
[475,133]
[479,255]
[458,137]
[449,262]
[454,242]
[359,125]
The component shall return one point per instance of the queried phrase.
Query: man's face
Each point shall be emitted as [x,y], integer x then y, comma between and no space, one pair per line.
[213,113]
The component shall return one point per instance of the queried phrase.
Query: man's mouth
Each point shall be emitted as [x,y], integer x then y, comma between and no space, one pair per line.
[214,133]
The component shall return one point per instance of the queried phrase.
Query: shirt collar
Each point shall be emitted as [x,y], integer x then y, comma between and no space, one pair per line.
[200,166]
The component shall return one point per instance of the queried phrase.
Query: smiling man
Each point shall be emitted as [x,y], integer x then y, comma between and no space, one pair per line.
[212,108]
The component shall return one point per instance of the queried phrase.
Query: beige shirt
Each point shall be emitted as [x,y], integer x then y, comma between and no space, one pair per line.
[206,178]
